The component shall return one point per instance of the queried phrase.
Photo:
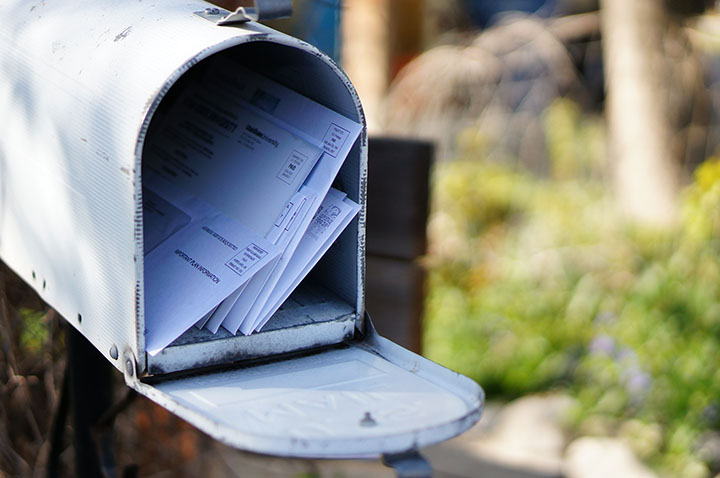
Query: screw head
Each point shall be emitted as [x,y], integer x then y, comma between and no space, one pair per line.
[129,368]
[367,420]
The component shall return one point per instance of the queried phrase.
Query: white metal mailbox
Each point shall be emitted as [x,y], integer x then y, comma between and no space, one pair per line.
[80,82]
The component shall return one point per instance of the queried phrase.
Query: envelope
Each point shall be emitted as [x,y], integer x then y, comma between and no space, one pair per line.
[240,162]
[334,133]
[333,216]
[197,257]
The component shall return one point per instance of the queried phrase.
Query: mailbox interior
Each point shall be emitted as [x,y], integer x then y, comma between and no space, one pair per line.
[328,306]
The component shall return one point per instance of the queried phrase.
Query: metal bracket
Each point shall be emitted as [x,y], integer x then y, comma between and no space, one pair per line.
[408,465]
[232,12]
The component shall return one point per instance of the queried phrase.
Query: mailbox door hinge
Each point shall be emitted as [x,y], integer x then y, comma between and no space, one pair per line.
[241,11]
[408,465]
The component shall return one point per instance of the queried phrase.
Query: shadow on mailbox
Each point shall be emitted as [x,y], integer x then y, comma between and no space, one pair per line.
[159,192]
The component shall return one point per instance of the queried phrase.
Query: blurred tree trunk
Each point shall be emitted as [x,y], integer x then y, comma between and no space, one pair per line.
[378,38]
[644,154]
[406,33]
[365,54]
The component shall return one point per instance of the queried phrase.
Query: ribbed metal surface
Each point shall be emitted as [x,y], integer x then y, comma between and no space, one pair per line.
[79,81]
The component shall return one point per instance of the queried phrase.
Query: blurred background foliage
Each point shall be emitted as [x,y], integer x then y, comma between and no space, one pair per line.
[538,283]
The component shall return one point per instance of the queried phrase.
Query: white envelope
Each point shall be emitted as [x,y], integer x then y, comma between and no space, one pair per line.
[201,323]
[193,270]
[284,231]
[317,124]
[197,257]
[248,289]
[231,157]
[333,216]
[161,218]
[321,126]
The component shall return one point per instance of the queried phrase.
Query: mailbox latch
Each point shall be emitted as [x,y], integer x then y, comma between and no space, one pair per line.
[231,12]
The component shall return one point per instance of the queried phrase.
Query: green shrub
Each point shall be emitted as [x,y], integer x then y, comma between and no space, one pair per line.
[538,283]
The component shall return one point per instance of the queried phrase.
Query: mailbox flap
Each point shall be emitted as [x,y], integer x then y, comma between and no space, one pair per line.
[358,400]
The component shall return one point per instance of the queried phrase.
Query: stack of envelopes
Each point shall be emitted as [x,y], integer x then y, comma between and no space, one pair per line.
[237,201]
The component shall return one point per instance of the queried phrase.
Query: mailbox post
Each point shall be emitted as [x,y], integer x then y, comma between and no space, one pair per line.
[82,82]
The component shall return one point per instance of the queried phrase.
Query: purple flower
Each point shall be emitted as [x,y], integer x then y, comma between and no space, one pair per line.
[602,345]
[638,382]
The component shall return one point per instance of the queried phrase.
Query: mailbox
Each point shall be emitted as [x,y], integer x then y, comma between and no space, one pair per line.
[81,83]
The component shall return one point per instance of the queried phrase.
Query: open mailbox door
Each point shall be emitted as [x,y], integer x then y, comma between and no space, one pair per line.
[356,400]
[82,83]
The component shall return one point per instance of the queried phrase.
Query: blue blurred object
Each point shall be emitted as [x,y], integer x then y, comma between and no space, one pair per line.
[487,12]
[318,23]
